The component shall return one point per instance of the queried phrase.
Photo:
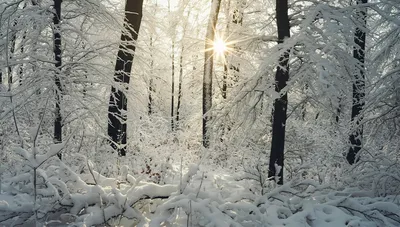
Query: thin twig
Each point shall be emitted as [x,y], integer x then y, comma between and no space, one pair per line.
[91,171]
[201,183]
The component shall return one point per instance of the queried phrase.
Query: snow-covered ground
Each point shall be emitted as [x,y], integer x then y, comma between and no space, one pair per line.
[196,196]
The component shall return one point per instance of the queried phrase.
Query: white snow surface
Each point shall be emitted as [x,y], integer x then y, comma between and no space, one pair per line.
[201,197]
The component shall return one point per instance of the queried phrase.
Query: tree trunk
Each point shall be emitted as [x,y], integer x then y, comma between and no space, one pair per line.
[173,86]
[12,51]
[208,69]
[358,83]
[179,87]
[10,55]
[151,90]
[338,110]
[225,79]
[151,83]
[226,61]
[280,104]
[237,20]
[180,82]
[58,64]
[118,102]
[21,67]
[230,66]
[172,76]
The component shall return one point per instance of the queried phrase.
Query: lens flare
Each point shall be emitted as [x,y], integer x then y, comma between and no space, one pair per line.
[220,47]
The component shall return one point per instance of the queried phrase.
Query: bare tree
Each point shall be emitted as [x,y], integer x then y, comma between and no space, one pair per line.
[151,82]
[358,82]
[58,64]
[208,69]
[178,106]
[280,104]
[118,104]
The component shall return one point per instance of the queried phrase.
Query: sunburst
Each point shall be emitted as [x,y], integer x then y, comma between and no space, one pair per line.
[221,47]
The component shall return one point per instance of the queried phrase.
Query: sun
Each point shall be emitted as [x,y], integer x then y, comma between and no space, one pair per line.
[220,46]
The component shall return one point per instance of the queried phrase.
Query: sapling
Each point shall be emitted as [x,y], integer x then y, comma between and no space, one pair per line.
[34,149]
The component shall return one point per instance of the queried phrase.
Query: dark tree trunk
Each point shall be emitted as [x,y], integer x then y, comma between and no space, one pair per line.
[12,51]
[151,83]
[172,76]
[58,64]
[280,104]
[358,83]
[21,67]
[338,110]
[208,69]
[225,79]
[35,3]
[151,90]
[179,88]
[118,102]
[173,86]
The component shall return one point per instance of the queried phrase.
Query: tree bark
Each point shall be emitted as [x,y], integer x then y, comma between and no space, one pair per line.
[118,102]
[12,52]
[58,64]
[21,67]
[173,86]
[178,106]
[150,104]
[280,104]
[172,76]
[151,83]
[225,79]
[208,69]
[358,83]
[180,82]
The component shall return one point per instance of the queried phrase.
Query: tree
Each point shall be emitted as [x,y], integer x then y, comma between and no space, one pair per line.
[208,69]
[58,64]
[151,82]
[173,84]
[178,106]
[117,125]
[358,82]
[173,26]
[280,104]
[180,82]
[233,63]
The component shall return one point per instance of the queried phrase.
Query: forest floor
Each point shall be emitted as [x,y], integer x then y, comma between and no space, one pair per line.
[196,196]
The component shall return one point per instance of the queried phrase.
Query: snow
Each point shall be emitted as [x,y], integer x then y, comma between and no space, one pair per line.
[94,187]
[201,196]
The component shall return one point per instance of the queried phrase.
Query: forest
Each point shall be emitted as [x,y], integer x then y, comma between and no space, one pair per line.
[200,113]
